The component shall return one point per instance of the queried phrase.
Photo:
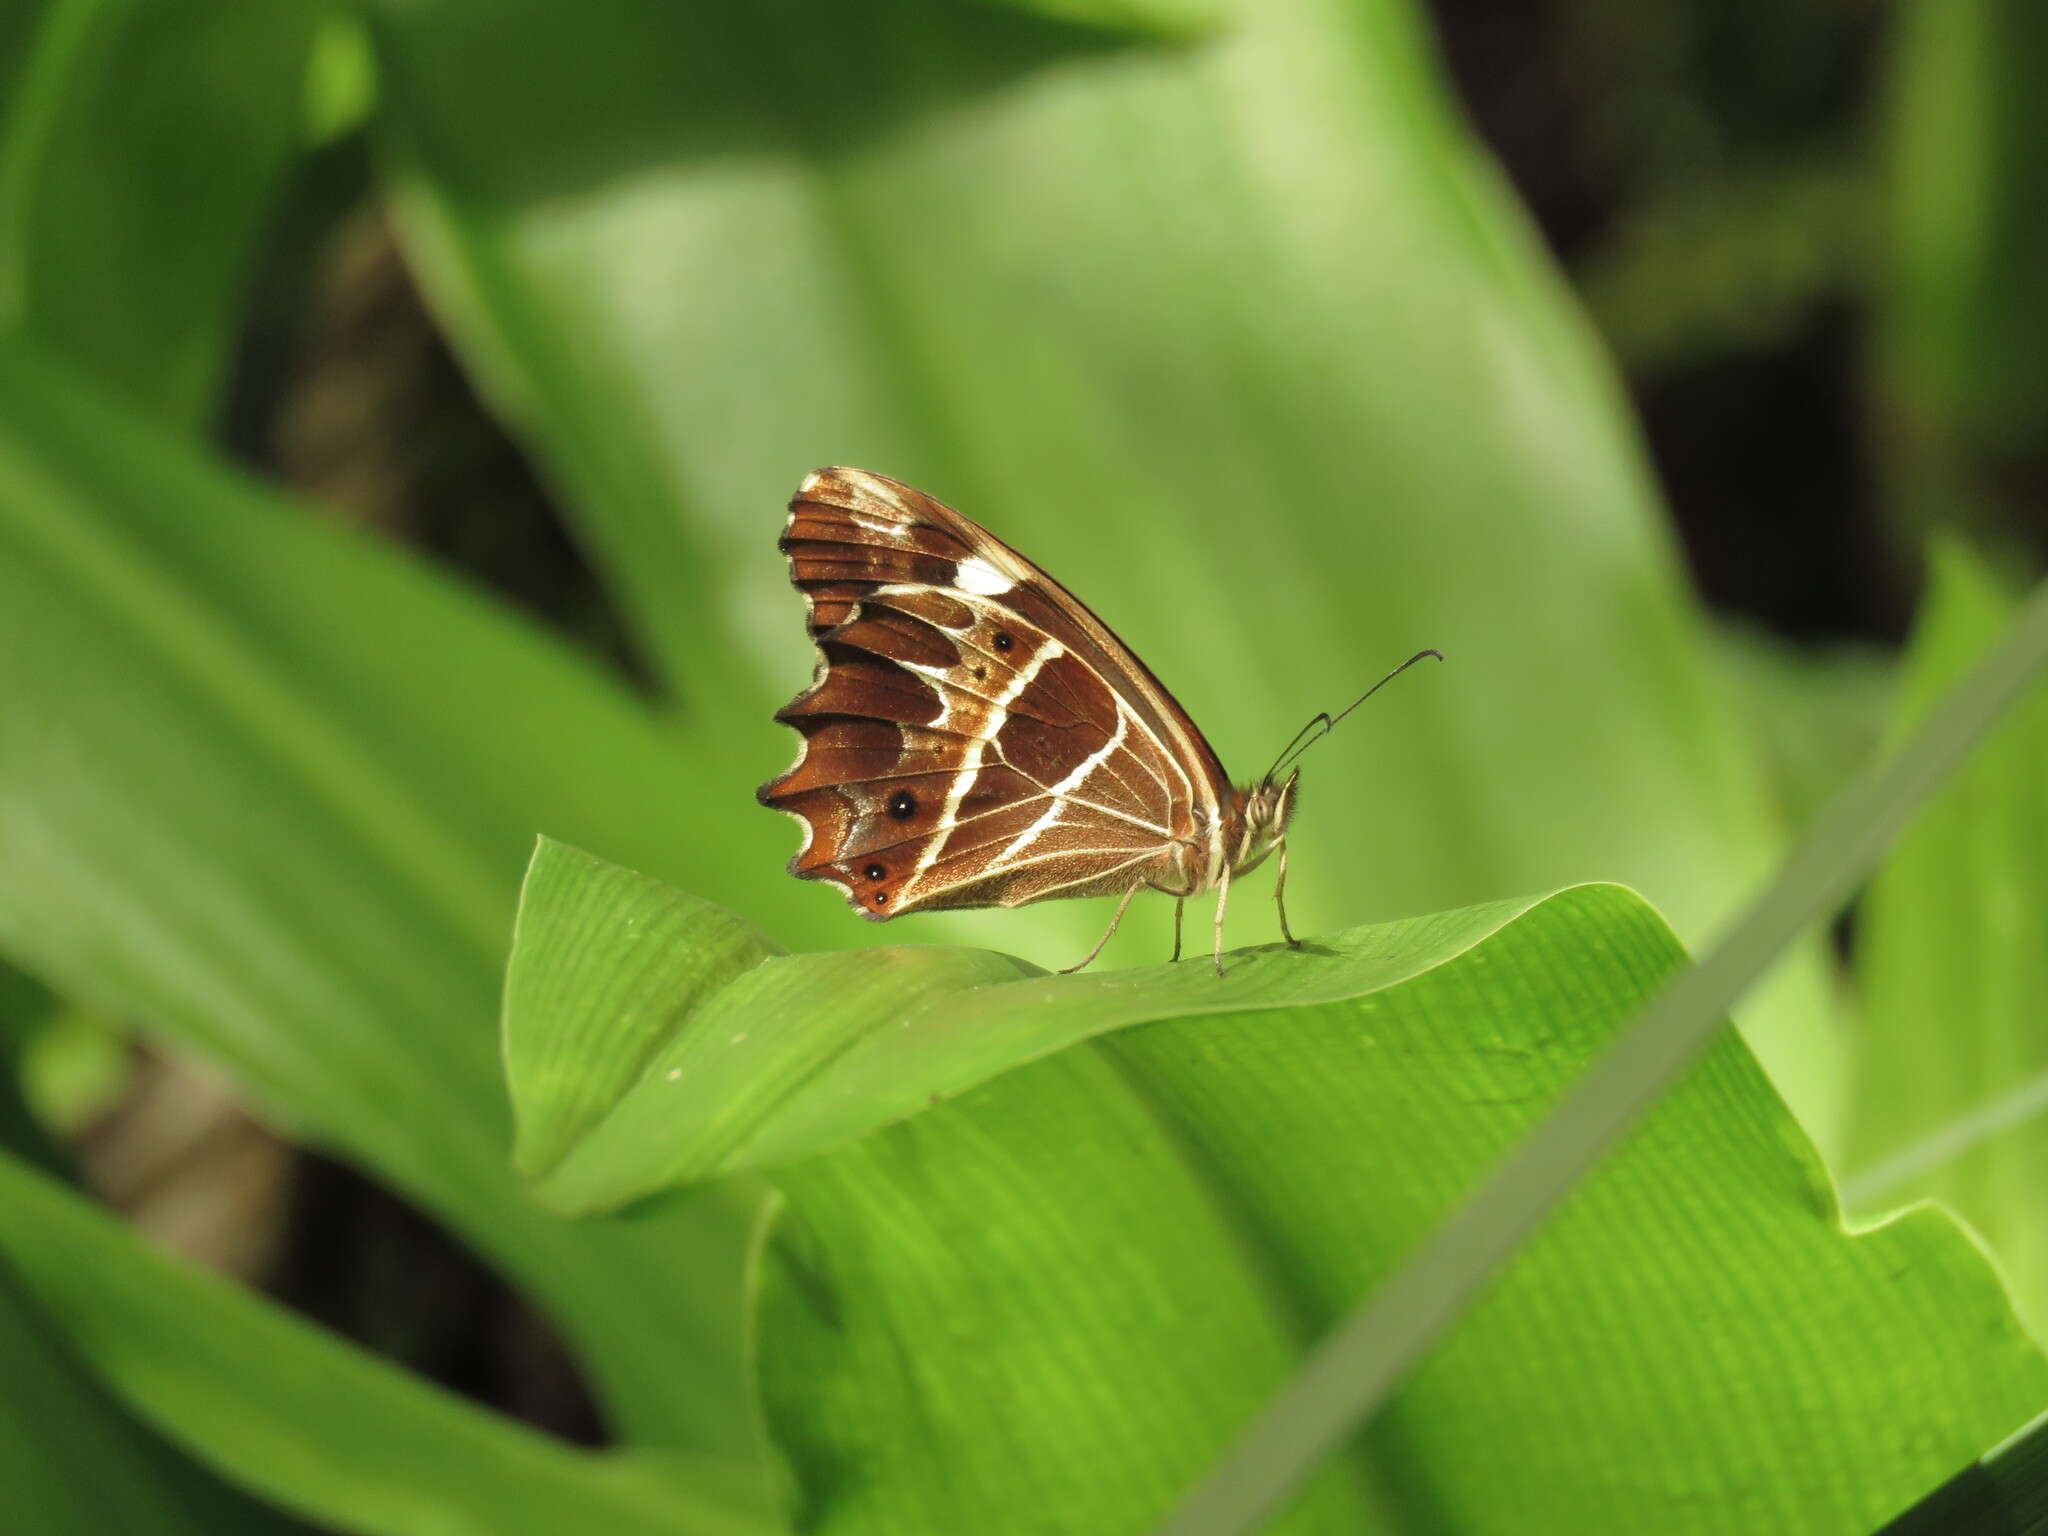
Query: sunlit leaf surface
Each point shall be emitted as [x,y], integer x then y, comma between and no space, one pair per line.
[1083,1272]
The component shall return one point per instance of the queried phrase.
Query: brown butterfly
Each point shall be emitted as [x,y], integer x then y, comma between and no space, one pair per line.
[976,737]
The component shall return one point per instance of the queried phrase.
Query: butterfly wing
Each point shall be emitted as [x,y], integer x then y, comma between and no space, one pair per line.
[975,736]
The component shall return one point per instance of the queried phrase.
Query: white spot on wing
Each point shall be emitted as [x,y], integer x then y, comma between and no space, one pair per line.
[976,575]
[896,531]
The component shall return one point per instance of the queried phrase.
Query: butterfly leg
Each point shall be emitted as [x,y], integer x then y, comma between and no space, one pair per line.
[1113,922]
[1280,897]
[1222,901]
[1178,903]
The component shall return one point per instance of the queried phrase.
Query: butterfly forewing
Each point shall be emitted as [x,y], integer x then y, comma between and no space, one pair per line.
[975,736]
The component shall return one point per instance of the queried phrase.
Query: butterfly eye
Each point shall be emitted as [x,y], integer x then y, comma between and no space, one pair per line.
[903,806]
[874,872]
[1003,641]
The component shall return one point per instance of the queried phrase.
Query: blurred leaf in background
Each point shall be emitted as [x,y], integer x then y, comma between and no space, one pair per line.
[1952,962]
[1962,377]
[19,25]
[145,143]
[1950,1098]
[237,809]
[26,1009]
[1816,712]
[74,1462]
[286,1410]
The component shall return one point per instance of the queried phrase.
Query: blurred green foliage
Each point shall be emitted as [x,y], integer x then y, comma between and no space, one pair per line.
[1956,968]
[1964,333]
[146,143]
[1220,312]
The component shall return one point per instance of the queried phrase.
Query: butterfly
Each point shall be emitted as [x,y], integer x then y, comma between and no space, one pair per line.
[975,736]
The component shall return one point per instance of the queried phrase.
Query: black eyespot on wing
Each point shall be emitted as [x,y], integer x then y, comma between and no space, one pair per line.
[903,805]
[875,872]
[1003,641]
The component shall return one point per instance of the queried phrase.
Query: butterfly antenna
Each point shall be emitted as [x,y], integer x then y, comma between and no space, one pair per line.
[1300,739]
[1323,724]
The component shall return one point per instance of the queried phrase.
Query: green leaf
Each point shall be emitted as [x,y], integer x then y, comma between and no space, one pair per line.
[268,787]
[321,1427]
[145,146]
[1961,322]
[75,1463]
[807,1051]
[19,25]
[75,1067]
[1240,337]
[1357,1366]
[603,961]
[1083,1274]
[1818,711]
[25,1011]
[1159,18]
[1952,965]
[983,1201]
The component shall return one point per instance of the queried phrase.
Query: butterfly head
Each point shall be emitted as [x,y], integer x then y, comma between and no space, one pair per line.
[1263,811]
